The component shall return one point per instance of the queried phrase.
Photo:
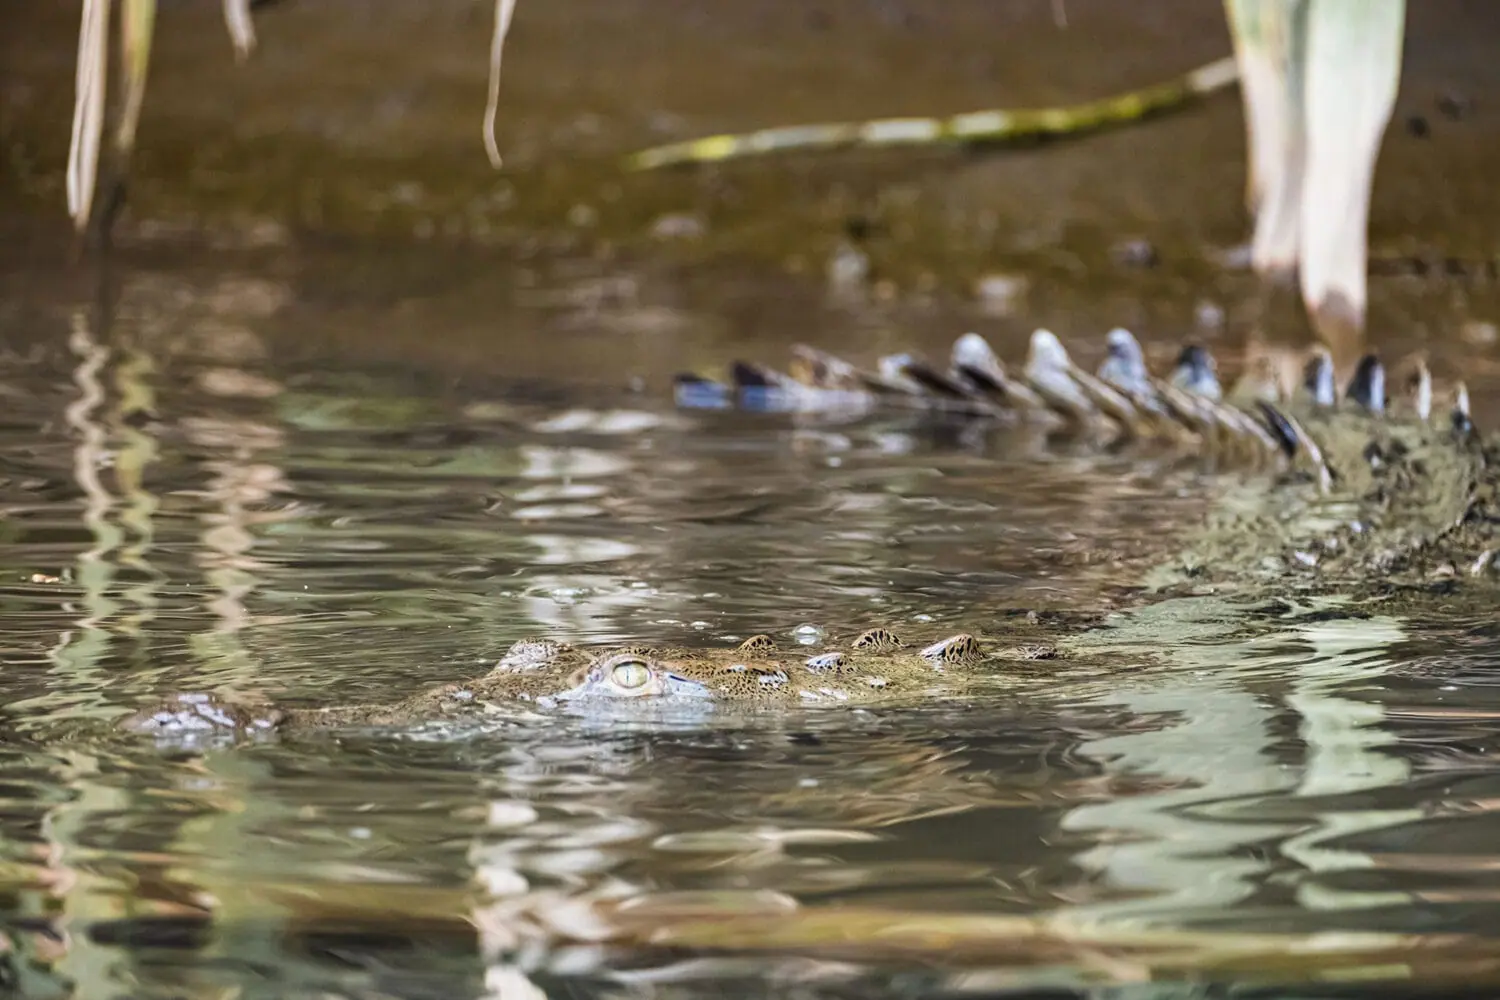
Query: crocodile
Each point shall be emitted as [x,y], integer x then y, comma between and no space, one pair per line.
[876,667]
[1316,490]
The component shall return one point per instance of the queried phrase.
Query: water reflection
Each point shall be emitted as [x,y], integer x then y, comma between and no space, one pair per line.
[77,653]
[188,503]
[1198,849]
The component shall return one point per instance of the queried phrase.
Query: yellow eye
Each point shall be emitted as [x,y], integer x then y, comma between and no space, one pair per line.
[630,674]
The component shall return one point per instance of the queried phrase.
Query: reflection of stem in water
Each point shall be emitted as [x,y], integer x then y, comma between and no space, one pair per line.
[1186,852]
[237,485]
[87,897]
[137,451]
[227,541]
[229,567]
[222,845]
[95,573]
[1344,738]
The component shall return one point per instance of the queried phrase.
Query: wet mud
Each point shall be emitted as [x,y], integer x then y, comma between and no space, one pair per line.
[308,141]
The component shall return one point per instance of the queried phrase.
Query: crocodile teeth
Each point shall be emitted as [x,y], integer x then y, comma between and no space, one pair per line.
[1367,387]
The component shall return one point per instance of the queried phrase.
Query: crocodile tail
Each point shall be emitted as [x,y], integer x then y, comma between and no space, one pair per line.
[1367,386]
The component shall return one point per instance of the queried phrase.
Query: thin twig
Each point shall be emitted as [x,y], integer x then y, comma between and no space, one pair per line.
[992,126]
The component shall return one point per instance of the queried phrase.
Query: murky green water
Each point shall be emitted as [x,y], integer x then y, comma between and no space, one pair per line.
[312,482]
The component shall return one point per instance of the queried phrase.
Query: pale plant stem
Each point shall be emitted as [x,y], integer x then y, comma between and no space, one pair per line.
[88,110]
[241,27]
[503,11]
[1270,43]
[136,28]
[1353,72]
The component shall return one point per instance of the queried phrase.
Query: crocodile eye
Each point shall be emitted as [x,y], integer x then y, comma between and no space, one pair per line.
[630,674]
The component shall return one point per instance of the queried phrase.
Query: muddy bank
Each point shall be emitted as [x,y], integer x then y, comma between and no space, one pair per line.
[359,121]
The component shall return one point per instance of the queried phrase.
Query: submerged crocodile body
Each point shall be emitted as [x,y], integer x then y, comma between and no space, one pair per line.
[877,667]
[1321,493]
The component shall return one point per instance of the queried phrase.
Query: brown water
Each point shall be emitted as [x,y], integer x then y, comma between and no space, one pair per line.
[321,477]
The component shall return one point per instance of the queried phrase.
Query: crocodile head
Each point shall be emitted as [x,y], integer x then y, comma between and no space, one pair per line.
[1315,491]
[873,666]
[876,666]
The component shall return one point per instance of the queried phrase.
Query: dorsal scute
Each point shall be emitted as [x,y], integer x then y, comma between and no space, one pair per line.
[643,650]
[760,643]
[835,661]
[1367,385]
[1124,365]
[956,650]
[1318,378]
[1413,379]
[1460,416]
[531,653]
[877,640]
[1195,372]
[1189,406]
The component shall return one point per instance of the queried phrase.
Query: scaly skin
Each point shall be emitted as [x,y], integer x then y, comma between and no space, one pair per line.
[1356,494]
[1331,497]
[1412,504]
[877,667]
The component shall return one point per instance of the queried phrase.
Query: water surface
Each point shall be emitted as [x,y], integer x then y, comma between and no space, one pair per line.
[231,476]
